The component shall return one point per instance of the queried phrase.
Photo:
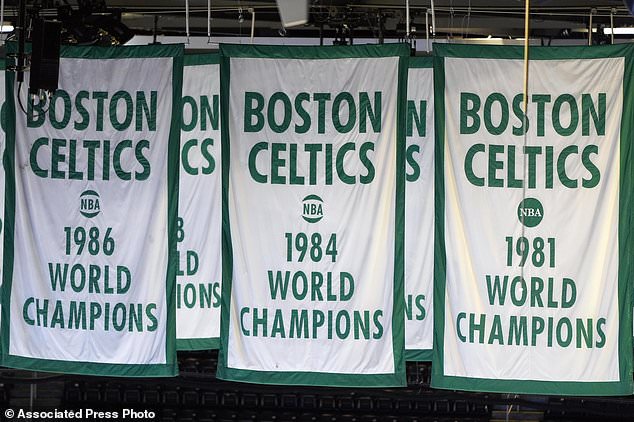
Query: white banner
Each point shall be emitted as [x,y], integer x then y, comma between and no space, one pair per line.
[419,211]
[313,180]
[198,281]
[536,292]
[92,200]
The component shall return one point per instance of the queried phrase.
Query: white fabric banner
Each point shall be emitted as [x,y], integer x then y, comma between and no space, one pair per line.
[536,294]
[198,281]
[419,211]
[93,201]
[312,175]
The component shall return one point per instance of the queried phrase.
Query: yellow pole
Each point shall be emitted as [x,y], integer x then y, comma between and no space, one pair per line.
[526,20]
[525,122]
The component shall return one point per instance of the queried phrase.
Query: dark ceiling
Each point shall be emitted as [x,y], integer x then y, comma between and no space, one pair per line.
[369,19]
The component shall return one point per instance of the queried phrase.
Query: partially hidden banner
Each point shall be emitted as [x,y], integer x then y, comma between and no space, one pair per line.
[198,281]
[313,192]
[419,210]
[91,206]
[533,274]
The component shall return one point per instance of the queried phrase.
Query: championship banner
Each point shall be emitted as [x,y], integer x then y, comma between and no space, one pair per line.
[91,206]
[419,211]
[199,224]
[533,272]
[313,214]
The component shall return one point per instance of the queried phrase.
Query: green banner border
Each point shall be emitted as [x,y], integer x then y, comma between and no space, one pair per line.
[398,322]
[313,52]
[423,62]
[201,59]
[194,344]
[122,52]
[170,368]
[420,355]
[625,385]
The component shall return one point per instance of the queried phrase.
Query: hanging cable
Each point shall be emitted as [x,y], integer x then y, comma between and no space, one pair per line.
[407,19]
[451,16]
[509,409]
[427,28]
[208,21]
[240,21]
[433,20]
[21,31]
[1,16]
[612,11]
[155,30]
[252,11]
[468,20]
[590,28]
[187,19]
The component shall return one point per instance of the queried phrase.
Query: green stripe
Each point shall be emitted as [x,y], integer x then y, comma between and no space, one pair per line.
[626,234]
[12,47]
[440,257]
[200,59]
[173,172]
[122,52]
[324,379]
[116,52]
[421,62]
[314,52]
[398,307]
[91,368]
[423,355]
[535,53]
[197,343]
[9,214]
[559,388]
[227,248]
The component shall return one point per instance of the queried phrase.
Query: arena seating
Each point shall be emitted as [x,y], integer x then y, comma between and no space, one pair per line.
[197,395]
